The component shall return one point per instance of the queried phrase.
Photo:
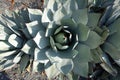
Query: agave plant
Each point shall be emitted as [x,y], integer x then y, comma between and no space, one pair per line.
[63,39]
[109,60]
[14,40]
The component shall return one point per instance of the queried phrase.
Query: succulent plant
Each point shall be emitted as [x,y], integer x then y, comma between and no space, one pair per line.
[15,41]
[63,39]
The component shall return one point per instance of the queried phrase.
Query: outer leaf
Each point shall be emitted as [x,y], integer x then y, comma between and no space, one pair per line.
[114,13]
[3,34]
[37,66]
[26,33]
[109,69]
[35,14]
[18,57]
[80,68]
[106,64]
[80,16]
[24,62]
[82,3]
[41,40]
[52,71]
[83,32]
[84,54]
[40,56]
[114,39]
[10,24]
[114,27]
[106,15]
[95,56]
[47,16]
[52,4]
[15,41]
[59,14]
[5,46]
[65,65]
[68,21]
[34,27]
[94,40]
[8,53]
[50,29]
[70,6]
[93,19]
[29,47]
[57,56]
[111,50]
[7,65]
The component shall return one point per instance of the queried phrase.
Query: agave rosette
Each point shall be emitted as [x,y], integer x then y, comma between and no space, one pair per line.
[15,41]
[64,33]
[64,37]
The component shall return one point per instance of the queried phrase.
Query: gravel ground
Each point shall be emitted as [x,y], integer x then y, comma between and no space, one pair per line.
[18,4]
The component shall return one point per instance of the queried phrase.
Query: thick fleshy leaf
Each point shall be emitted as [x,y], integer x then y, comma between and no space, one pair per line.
[57,56]
[37,66]
[24,62]
[93,19]
[15,41]
[80,68]
[109,69]
[22,17]
[3,34]
[18,18]
[52,5]
[52,71]
[8,53]
[29,47]
[26,33]
[34,27]
[95,56]
[35,14]
[5,46]
[70,76]
[114,13]
[111,50]
[50,29]
[59,46]
[18,57]
[114,27]
[105,62]
[11,25]
[94,40]
[83,32]
[84,54]
[106,15]
[68,21]
[65,65]
[59,14]
[52,43]
[82,3]
[117,61]
[58,30]
[40,56]
[70,6]
[47,16]
[8,64]
[80,16]
[115,40]
[41,40]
